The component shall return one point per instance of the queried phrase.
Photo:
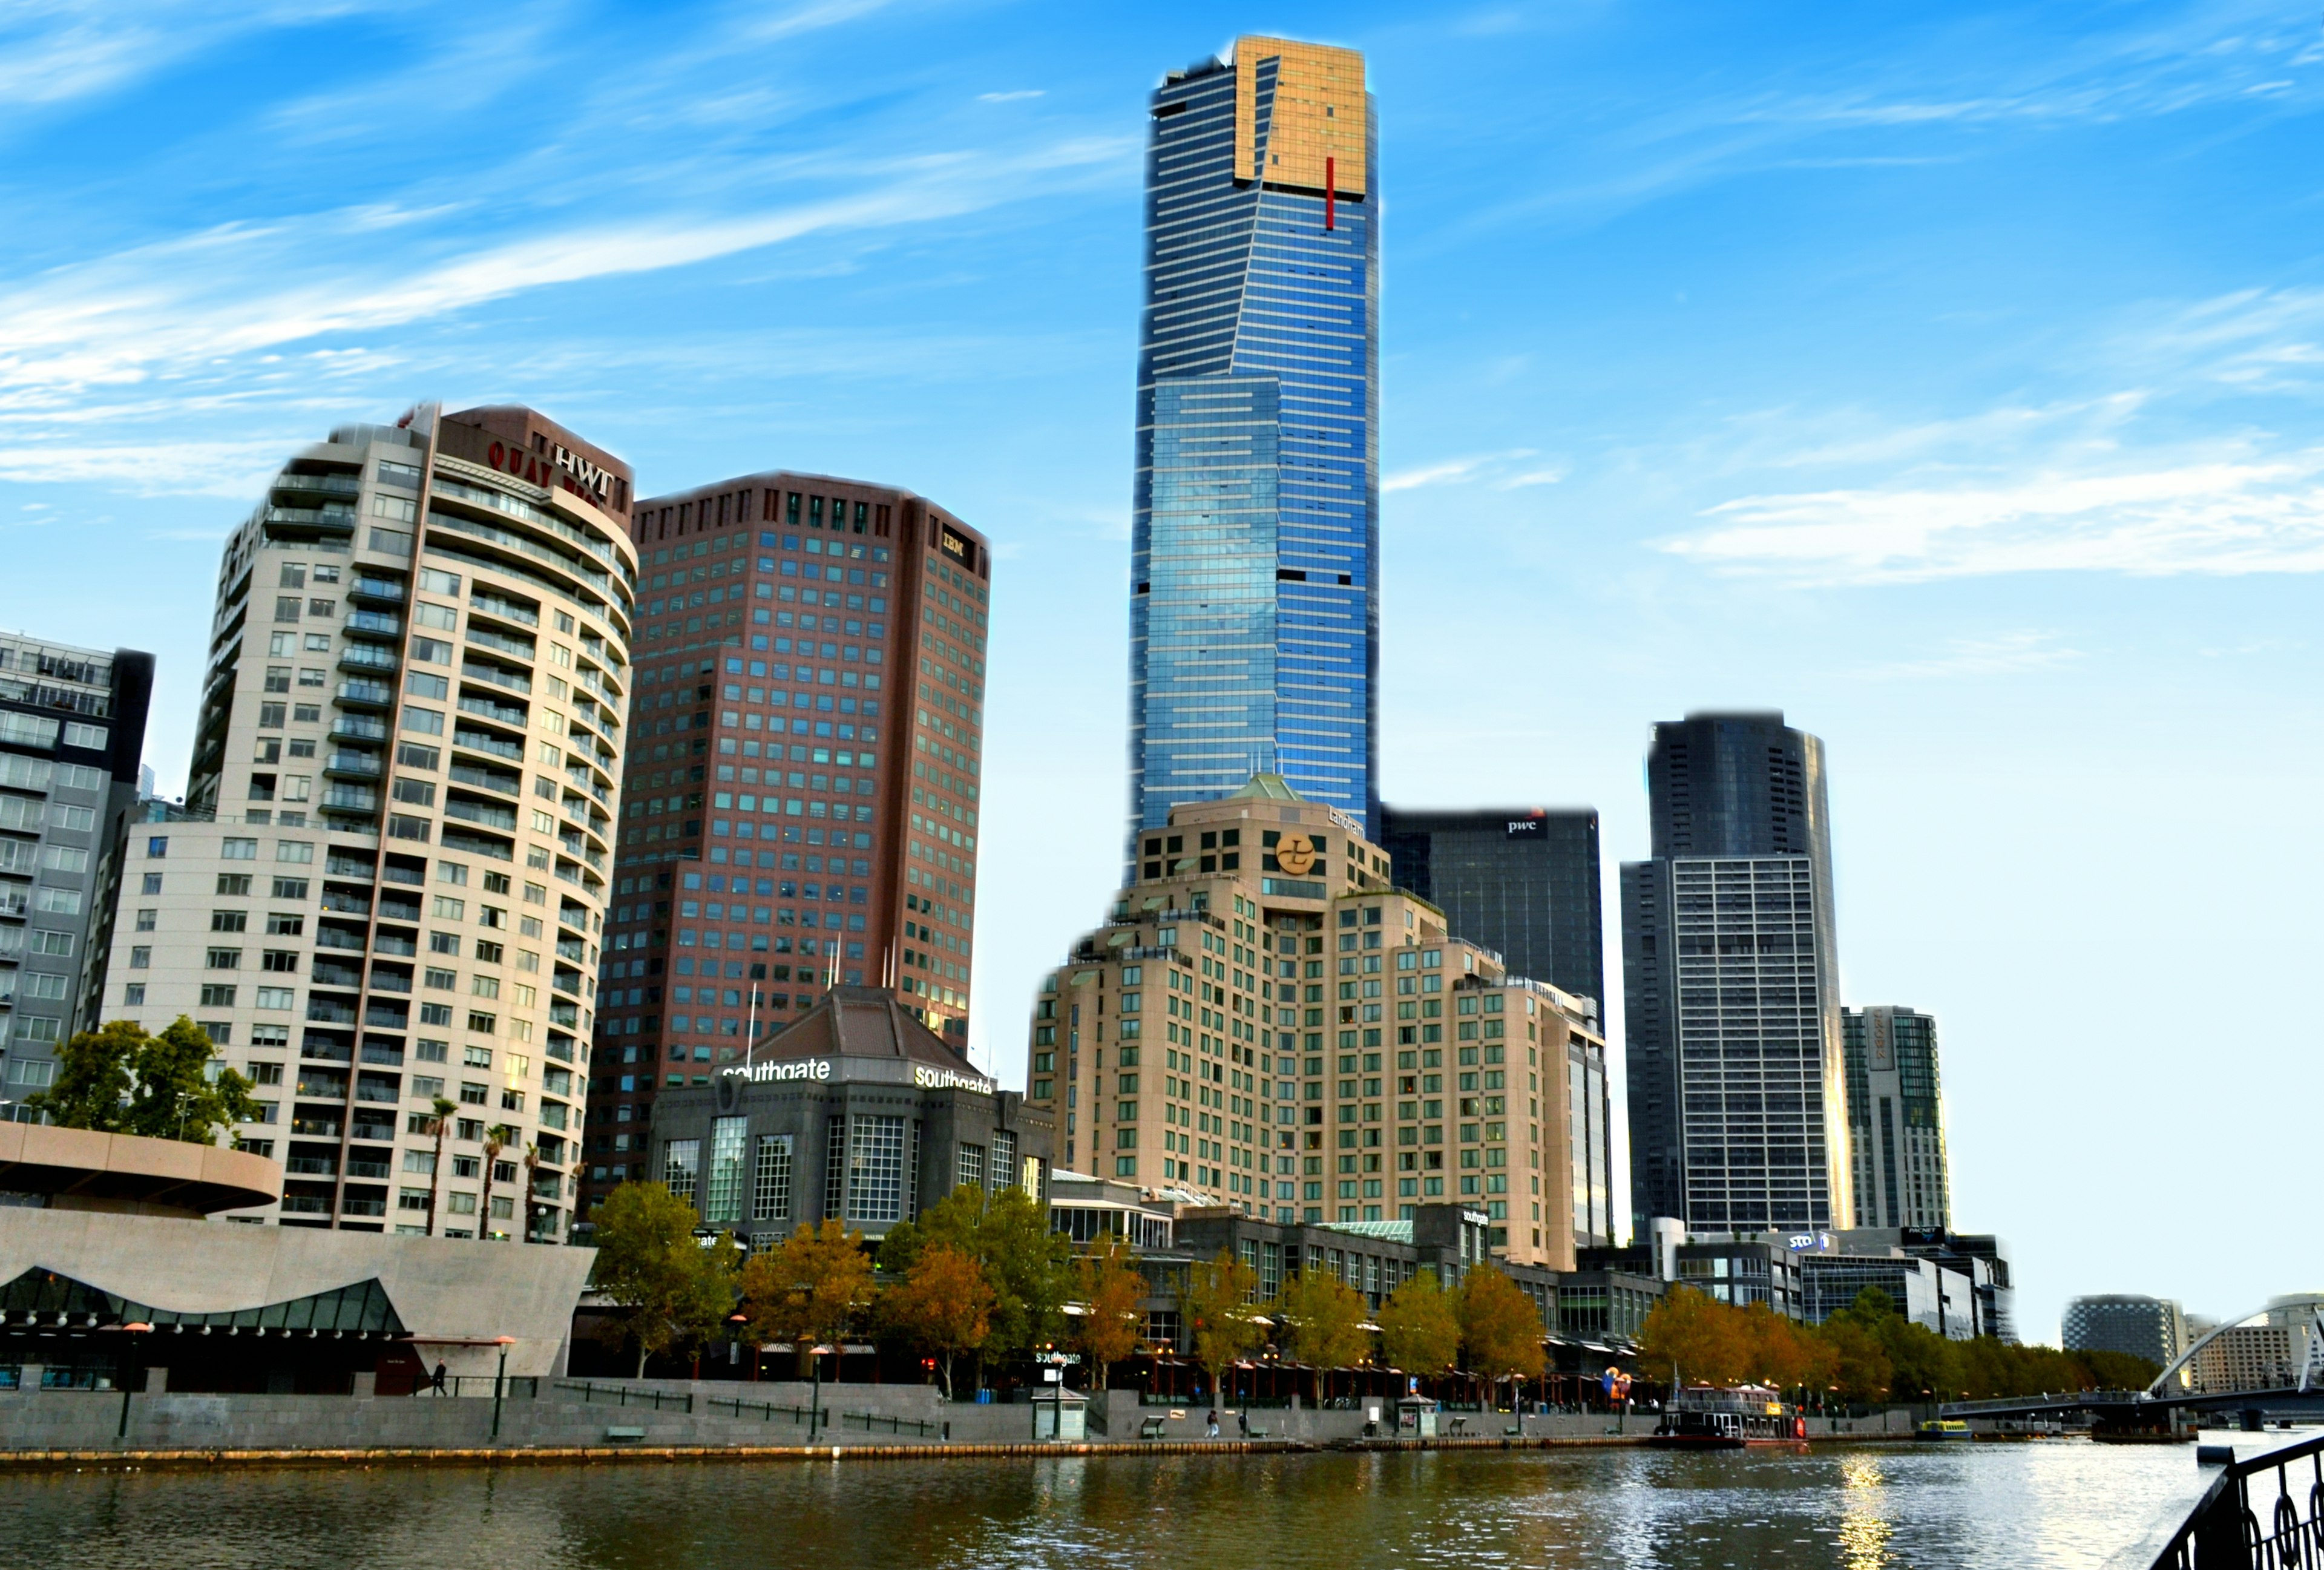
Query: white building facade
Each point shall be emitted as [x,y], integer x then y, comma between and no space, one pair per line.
[386,889]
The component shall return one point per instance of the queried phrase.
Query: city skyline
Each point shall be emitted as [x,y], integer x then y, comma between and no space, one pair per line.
[2011,525]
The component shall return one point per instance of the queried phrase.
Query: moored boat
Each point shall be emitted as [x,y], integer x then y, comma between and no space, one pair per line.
[1709,1418]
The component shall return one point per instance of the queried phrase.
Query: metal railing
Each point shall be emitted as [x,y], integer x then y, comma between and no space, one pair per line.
[767,1411]
[513,1387]
[2235,1524]
[880,1422]
[624,1396]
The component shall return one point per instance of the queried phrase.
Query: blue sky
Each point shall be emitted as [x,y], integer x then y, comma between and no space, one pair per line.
[1947,380]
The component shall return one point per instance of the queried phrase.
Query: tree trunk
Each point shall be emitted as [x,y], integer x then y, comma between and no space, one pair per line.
[642,1362]
[435,1178]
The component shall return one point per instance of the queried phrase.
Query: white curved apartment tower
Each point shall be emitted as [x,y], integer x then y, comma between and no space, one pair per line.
[388,881]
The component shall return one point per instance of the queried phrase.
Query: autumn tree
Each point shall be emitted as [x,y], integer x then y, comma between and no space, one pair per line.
[668,1287]
[1111,1291]
[943,1305]
[1686,1336]
[1499,1327]
[1320,1321]
[1216,1306]
[810,1289]
[119,1080]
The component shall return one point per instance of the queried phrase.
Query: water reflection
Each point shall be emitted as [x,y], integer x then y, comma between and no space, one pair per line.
[1864,1526]
[2062,1504]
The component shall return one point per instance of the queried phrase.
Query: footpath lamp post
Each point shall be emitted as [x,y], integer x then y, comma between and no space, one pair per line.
[500,1381]
[131,1380]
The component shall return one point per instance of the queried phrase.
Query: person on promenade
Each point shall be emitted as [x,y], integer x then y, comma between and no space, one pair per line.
[440,1377]
[1214,1421]
[1242,1422]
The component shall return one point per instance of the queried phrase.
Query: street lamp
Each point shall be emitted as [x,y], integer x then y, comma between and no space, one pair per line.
[500,1381]
[138,1328]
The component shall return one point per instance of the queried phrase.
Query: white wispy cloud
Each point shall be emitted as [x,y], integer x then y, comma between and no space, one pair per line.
[2004,654]
[2232,512]
[1490,467]
[52,51]
[1019,95]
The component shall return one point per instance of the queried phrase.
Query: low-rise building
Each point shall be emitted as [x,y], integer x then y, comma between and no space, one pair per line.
[1924,1291]
[857,1112]
[1265,1023]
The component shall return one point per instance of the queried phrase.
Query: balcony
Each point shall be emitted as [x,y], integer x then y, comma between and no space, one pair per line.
[325,1051]
[485,708]
[398,908]
[317,485]
[361,1130]
[507,784]
[363,1207]
[384,590]
[339,519]
[316,1128]
[491,817]
[354,766]
[478,670]
[375,1170]
[311,1166]
[327,1012]
[484,741]
[366,657]
[358,727]
[368,694]
[391,941]
[305,1204]
[347,901]
[349,798]
[507,610]
[379,623]
[524,648]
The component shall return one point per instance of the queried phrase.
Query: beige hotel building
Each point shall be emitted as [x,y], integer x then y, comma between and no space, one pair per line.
[1266,1023]
[388,882]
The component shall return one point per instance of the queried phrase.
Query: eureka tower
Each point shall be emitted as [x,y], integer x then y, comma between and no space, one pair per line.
[1254,630]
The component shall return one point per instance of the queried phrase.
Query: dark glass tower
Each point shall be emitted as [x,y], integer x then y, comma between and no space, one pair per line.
[1896,1120]
[1254,630]
[1737,1109]
[1522,882]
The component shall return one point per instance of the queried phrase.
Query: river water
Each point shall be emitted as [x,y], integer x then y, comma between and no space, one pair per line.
[2061,1502]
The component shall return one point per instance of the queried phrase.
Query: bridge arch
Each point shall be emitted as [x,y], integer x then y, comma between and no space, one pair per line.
[2311,1368]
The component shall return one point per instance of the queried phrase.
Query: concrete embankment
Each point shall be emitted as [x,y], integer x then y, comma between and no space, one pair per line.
[569,1422]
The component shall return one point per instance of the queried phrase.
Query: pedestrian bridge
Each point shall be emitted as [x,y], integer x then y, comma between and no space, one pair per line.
[2169,1393]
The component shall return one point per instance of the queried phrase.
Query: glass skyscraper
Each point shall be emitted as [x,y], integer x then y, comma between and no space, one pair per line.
[1254,632]
[1730,972]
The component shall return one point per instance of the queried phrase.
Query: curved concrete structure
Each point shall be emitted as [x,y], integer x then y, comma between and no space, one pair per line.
[81,1169]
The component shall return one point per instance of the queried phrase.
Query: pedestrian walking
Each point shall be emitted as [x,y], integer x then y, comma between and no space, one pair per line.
[1214,1421]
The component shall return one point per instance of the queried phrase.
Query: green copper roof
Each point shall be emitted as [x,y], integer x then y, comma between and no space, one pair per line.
[1267,788]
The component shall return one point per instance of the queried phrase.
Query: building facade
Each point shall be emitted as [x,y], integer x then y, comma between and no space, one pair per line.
[805,798]
[72,731]
[1895,1119]
[1521,880]
[387,885]
[1266,1023]
[1737,1089]
[857,1112]
[2154,1328]
[1254,622]
[1924,1291]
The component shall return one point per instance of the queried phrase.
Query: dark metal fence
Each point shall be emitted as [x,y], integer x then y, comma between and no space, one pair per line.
[624,1396]
[880,1422]
[2266,1513]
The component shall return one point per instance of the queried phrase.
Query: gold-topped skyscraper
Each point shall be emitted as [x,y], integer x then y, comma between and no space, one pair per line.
[1255,529]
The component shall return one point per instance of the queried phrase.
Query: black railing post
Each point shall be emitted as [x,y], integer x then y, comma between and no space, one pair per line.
[2218,1540]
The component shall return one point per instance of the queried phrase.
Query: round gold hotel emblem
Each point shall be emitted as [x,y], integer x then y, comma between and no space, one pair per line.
[1295,854]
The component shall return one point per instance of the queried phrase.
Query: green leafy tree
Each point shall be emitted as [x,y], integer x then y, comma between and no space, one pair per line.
[1029,1266]
[809,1291]
[944,1306]
[670,1288]
[119,1080]
[1217,1308]
[1320,1321]
[1420,1326]
[1112,1294]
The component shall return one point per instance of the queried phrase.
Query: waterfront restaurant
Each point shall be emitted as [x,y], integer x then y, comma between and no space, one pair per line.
[858,1111]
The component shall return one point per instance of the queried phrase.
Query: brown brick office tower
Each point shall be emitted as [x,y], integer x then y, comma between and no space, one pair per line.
[807,736]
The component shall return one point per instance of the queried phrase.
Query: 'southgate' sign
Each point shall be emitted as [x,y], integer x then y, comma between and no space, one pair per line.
[817,1068]
[951,1079]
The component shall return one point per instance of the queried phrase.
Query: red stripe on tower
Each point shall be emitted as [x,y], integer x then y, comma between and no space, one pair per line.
[1331,181]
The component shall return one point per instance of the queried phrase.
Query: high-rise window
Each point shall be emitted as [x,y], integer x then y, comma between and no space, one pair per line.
[875,1168]
[680,1159]
[723,1203]
[771,1187]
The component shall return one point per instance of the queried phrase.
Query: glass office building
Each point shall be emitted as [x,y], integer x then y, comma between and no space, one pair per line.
[1255,609]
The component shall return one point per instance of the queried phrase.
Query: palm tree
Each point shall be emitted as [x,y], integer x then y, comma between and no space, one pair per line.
[532,1180]
[440,1126]
[496,1139]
